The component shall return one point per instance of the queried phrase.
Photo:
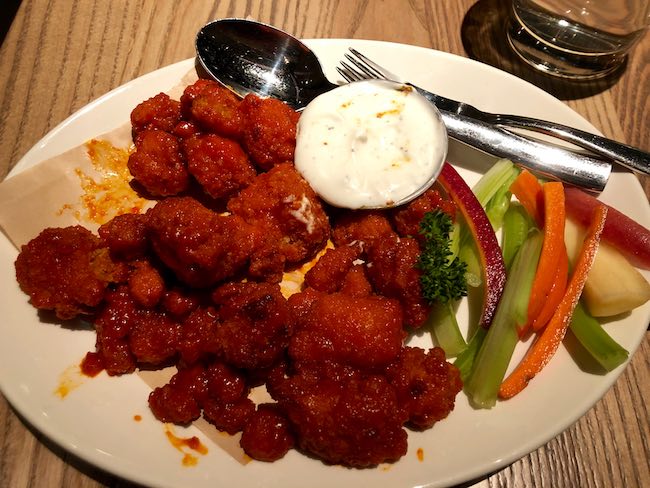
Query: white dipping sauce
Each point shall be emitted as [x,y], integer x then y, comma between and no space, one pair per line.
[370,144]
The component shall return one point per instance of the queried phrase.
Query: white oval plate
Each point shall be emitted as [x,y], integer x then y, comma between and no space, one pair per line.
[96,420]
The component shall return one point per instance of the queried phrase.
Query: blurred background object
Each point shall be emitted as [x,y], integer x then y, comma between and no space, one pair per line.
[581,39]
[10,7]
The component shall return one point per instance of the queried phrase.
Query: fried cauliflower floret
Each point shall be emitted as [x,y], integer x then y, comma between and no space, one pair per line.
[113,324]
[199,245]
[179,401]
[343,416]
[393,273]
[227,405]
[229,417]
[126,236]
[66,270]
[361,229]
[269,130]
[180,302]
[159,112]
[426,385]
[128,335]
[301,304]
[255,324]
[198,339]
[331,269]
[215,109]
[216,390]
[157,164]
[185,129]
[218,164]
[192,91]
[224,383]
[154,337]
[267,262]
[407,218]
[146,285]
[267,436]
[356,282]
[282,204]
[364,332]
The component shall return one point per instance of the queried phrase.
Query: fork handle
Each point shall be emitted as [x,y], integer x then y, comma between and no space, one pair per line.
[569,167]
[628,156]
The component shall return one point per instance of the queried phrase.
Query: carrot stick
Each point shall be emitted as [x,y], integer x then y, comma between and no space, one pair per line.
[548,342]
[528,191]
[552,249]
[555,294]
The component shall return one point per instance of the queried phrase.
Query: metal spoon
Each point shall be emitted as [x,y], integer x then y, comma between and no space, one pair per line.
[251,57]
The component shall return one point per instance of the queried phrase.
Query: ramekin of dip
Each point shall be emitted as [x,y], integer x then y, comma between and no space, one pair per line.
[370,144]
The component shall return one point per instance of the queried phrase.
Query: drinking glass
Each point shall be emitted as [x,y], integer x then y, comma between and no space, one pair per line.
[581,39]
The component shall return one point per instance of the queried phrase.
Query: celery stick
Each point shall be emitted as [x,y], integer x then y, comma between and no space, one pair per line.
[516,224]
[496,351]
[497,206]
[454,241]
[465,360]
[445,329]
[494,178]
[605,350]
[469,255]
[496,209]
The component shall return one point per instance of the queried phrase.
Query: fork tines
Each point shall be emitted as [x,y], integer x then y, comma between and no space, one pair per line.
[361,68]
[348,73]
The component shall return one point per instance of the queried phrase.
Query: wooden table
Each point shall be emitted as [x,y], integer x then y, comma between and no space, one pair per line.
[58,55]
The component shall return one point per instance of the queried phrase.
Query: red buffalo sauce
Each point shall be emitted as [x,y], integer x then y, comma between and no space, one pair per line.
[420,454]
[108,192]
[181,443]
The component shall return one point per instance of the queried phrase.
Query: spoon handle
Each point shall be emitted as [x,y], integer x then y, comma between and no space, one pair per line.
[628,156]
[569,167]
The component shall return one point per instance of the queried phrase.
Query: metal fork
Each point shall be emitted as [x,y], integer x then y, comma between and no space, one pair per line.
[488,132]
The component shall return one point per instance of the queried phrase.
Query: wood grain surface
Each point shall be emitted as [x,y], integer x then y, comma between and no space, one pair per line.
[58,55]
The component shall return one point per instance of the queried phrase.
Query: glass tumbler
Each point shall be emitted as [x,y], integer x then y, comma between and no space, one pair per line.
[580,39]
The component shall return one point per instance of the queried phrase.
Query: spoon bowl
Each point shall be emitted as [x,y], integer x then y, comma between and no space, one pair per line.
[251,57]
